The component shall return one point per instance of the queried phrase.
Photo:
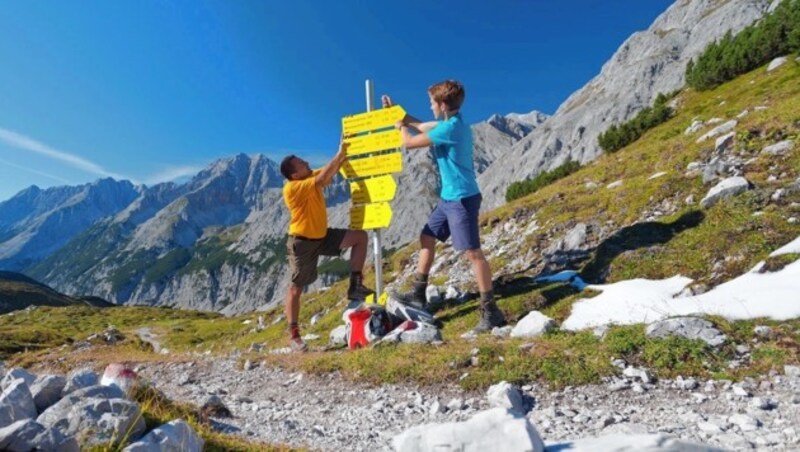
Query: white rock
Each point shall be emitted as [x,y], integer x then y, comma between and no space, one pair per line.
[316,318]
[16,403]
[495,429]
[779,148]
[688,327]
[614,184]
[727,188]
[14,374]
[452,293]
[791,371]
[532,325]
[505,395]
[657,175]
[742,114]
[745,422]
[502,331]
[724,142]
[694,127]
[776,63]
[710,428]
[310,337]
[432,294]
[763,331]
[338,335]
[47,390]
[177,435]
[740,391]
[719,130]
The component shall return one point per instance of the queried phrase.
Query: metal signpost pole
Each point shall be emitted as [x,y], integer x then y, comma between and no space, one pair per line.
[378,249]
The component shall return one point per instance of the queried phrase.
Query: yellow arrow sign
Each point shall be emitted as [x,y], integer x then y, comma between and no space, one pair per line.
[378,119]
[372,142]
[370,216]
[375,189]
[372,166]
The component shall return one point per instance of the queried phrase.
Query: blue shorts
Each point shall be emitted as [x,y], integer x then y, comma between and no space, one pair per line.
[456,218]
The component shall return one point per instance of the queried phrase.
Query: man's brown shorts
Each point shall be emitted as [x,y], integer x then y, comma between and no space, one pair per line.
[304,253]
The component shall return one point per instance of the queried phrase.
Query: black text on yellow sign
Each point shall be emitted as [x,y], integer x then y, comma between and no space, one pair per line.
[373,120]
[378,141]
[375,189]
[372,166]
[371,216]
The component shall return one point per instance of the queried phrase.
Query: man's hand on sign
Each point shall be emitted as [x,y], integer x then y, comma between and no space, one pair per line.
[327,172]
[386,101]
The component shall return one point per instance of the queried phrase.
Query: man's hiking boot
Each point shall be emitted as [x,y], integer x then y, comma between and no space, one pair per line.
[491,317]
[359,292]
[297,344]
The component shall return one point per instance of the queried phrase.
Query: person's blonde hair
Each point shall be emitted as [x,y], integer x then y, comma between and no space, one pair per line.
[449,92]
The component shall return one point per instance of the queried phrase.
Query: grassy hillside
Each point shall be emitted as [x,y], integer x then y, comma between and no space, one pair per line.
[18,291]
[629,239]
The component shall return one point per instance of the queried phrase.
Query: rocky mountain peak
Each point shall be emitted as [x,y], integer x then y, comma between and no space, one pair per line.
[649,62]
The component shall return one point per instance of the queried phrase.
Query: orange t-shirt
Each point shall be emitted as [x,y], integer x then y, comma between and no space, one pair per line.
[307,208]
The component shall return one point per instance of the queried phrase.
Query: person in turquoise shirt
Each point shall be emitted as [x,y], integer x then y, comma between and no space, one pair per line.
[456,213]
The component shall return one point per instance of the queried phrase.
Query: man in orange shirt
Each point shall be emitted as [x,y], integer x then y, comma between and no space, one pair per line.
[310,237]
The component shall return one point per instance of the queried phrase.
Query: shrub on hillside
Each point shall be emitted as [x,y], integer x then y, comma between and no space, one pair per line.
[519,189]
[619,136]
[776,34]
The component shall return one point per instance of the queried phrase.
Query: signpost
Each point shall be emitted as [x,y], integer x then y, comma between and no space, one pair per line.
[374,147]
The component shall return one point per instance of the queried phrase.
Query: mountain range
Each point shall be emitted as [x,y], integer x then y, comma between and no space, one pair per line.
[217,242]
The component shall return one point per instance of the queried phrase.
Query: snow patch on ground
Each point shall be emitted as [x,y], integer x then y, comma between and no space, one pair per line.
[752,295]
[789,248]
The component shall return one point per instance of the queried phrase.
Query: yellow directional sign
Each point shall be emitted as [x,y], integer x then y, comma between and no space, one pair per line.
[373,120]
[372,142]
[371,216]
[374,189]
[372,166]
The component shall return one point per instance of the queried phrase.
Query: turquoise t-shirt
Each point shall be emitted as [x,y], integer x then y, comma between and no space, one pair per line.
[452,149]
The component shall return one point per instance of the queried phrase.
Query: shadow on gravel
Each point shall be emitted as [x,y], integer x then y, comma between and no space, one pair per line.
[640,235]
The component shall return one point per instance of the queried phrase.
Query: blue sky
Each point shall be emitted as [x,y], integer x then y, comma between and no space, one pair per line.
[151,90]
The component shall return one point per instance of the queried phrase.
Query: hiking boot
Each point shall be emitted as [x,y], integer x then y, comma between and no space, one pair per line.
[491,317]
[359,292]
[297,344]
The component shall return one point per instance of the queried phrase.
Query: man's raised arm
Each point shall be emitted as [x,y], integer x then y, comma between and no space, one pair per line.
[326,174]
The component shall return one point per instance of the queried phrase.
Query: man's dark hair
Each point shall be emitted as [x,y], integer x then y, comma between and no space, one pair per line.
[286,167]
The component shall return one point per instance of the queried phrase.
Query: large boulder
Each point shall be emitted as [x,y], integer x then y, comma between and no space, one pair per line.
[176,436]
[27,435]
[14,374]
[103,421]
[16,403]
[46,391]
[727,188]
[495,429]
[689,328]
[79,379]
[57,413]
[532,325]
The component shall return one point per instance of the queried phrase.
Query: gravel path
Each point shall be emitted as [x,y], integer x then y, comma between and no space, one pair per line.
[329,413]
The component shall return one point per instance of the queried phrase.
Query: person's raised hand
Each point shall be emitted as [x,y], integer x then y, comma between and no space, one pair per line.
[386,101]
